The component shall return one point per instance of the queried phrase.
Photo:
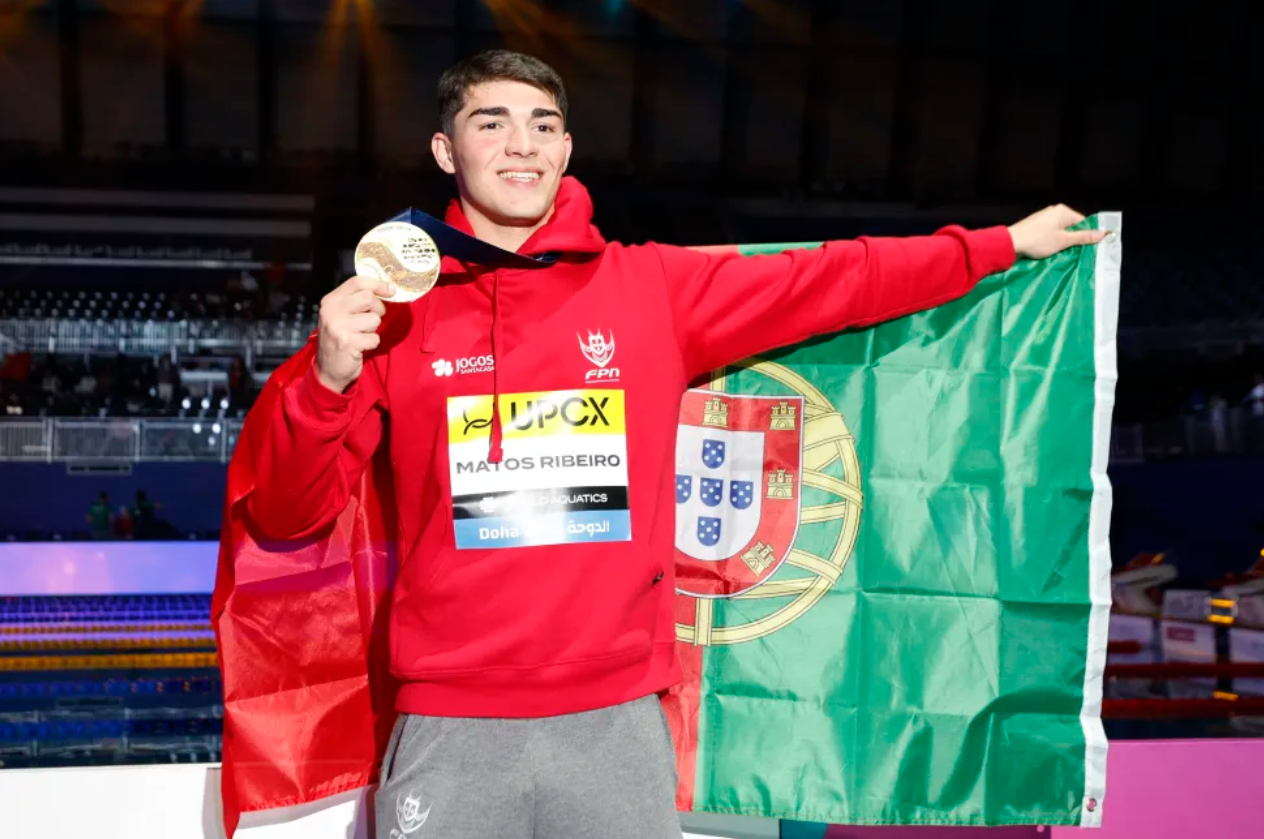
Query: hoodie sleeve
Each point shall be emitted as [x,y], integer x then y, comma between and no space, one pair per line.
[316,446]
[727,307]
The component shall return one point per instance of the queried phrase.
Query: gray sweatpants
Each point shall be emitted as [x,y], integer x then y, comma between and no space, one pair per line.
[605,774]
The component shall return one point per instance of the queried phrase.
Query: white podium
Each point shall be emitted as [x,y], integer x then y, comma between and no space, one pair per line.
[182,802]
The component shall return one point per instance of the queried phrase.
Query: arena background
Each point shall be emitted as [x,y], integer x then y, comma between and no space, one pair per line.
[181,181]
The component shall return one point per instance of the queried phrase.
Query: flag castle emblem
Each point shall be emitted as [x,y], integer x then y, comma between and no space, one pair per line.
[768,503]
[715,412]
[783,417]
[781,484]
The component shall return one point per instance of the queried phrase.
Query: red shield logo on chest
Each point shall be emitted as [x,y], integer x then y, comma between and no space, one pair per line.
[737,489]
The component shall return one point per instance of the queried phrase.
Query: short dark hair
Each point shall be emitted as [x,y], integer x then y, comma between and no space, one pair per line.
[495,66]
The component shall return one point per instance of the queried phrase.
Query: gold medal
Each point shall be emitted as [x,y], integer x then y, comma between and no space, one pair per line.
[403,255]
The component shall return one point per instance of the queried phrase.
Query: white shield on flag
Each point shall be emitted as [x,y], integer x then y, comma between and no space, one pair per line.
[738,485]
[718,503]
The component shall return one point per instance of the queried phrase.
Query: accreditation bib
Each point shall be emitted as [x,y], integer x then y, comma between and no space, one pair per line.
[564,476]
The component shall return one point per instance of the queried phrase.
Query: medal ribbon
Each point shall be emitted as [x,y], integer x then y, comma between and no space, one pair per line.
[463,246]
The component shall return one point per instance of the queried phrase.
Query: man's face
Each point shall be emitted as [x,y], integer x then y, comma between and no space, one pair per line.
[508,151]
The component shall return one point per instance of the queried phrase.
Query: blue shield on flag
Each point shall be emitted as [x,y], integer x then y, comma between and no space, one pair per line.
[713,452]
[712,491]
[708,531]
[725,465]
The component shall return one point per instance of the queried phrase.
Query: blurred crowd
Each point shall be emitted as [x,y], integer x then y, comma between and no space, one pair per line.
[124,386]
[1177,383]
[1235,425]
[138,520]
[240,297]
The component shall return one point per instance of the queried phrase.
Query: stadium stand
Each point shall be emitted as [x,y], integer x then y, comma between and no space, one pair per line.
[195,354]
[118,304]
[1170,284]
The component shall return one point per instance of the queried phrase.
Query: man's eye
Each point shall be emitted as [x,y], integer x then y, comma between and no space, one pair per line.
[548,129]
[488,125]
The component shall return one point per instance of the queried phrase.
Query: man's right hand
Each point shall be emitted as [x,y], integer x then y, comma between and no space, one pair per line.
[347,329]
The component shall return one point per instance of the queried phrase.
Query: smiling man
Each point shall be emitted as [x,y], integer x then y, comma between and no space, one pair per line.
[513,146]
[533,416]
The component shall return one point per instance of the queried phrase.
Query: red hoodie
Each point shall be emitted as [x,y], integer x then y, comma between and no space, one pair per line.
[542,582]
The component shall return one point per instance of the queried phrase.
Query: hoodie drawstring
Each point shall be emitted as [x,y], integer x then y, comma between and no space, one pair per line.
[496,454]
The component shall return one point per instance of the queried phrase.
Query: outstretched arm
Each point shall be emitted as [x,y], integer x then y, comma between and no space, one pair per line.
[726,307]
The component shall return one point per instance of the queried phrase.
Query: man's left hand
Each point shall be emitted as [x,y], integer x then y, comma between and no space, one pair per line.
[1045,233]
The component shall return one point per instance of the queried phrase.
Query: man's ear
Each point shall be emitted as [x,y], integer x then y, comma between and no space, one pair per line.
[569,148]
[441,148]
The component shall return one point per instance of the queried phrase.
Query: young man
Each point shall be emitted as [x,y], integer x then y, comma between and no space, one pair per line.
[532,430]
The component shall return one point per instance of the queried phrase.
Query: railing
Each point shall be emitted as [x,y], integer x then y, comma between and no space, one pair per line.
[123,440]
[61,335]
[207,439]
[118,440]
[66,335]
[23,439]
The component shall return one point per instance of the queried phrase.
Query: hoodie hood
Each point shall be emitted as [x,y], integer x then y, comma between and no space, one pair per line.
[568,232]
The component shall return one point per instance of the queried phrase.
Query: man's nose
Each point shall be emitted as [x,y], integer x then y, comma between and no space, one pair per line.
[521,143]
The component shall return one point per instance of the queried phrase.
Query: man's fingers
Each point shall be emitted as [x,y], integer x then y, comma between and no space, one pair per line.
[368,341]
[1086,237]
[361,283]
[363,322]
[366,301]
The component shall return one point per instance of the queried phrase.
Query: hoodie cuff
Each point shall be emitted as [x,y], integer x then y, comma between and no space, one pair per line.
[991,251]
[313,404]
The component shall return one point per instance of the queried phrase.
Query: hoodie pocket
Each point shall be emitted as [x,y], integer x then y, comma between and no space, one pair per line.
[655,570]
[518,609]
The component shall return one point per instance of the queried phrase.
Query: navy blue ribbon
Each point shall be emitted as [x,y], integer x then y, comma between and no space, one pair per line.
[463,246]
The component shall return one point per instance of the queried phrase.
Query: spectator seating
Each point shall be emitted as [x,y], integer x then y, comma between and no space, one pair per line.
[88,303]
[1174,284]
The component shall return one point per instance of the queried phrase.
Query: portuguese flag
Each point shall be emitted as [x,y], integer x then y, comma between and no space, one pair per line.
[914,629]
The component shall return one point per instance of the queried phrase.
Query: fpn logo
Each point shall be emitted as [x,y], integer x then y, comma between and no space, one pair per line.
[599,350]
